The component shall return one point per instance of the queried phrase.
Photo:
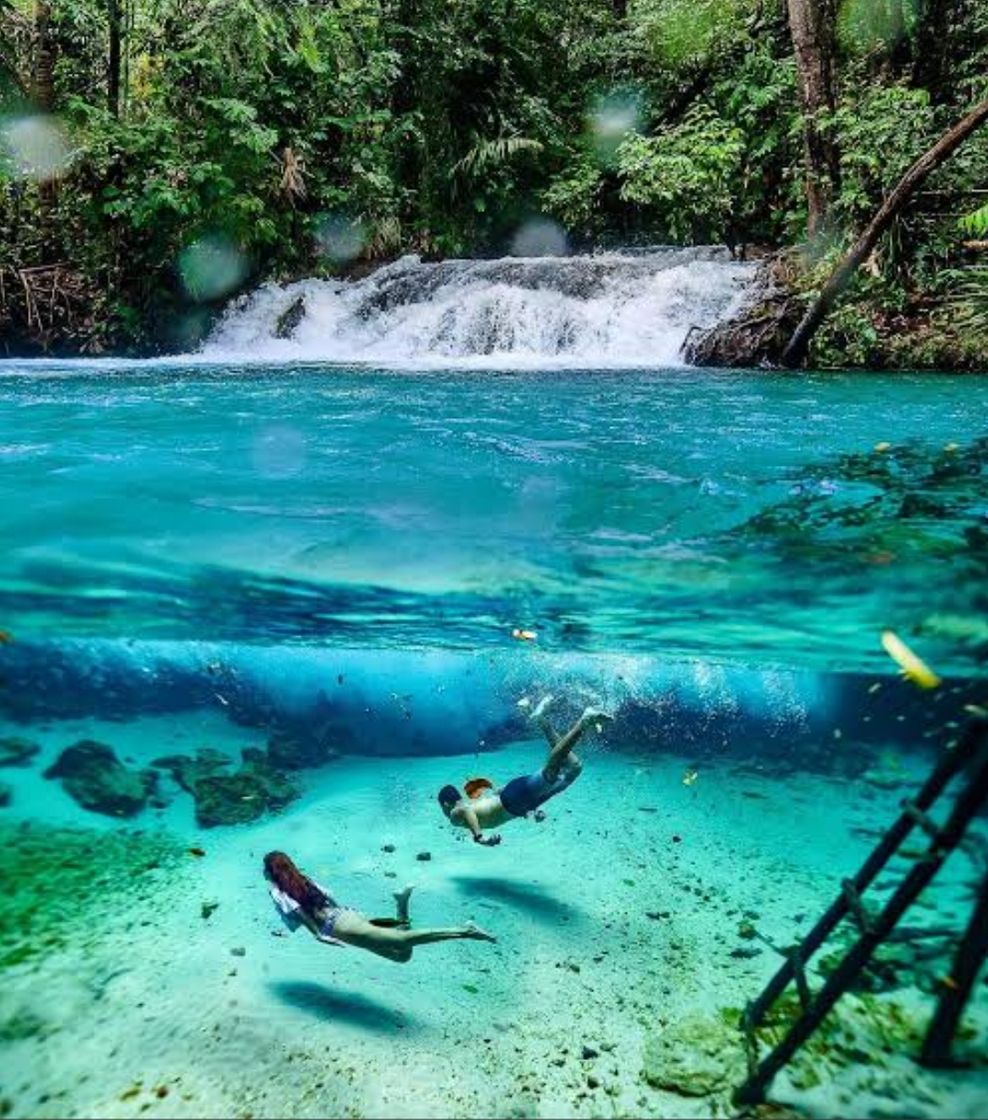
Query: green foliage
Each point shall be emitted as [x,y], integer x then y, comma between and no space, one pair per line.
[439,126]
[700,158]
[881,131]
[975,224]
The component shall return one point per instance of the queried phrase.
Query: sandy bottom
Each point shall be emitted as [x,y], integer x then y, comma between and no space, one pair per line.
[616,917]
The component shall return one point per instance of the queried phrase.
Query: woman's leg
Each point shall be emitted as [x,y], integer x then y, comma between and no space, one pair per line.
[397,944]
[401,904]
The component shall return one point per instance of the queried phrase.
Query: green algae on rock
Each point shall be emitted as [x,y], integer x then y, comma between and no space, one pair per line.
[17,751]
[231,798]
[94,777]
[694,1057]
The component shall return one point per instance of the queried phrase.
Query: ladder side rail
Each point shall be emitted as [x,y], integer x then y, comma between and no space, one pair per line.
[968,959]
[967,804]
[940,777]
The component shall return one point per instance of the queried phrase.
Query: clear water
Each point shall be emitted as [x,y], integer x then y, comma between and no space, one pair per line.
[204,555]
[733,517]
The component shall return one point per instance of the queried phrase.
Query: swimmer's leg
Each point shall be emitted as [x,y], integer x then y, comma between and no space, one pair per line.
[401,904]
[539,716]
[561,753]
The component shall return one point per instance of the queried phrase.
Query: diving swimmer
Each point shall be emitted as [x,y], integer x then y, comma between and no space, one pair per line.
[483,806]
[301,901]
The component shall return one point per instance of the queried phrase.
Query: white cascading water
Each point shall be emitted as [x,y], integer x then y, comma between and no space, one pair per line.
[614,309]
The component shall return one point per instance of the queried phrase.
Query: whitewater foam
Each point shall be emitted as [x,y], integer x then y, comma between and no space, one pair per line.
[617,309]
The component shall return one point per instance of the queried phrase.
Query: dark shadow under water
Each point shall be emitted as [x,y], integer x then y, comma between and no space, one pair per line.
[323,1002]
[536,901]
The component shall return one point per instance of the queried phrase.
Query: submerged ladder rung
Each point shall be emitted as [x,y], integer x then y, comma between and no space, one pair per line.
[795,955]
[924,820]
[856,906]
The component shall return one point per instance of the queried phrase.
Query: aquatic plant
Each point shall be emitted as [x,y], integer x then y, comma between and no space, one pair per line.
[61,884]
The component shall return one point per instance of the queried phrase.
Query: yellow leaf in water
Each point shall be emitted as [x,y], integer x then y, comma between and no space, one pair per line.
[912,667]
[883,446]
[690,777]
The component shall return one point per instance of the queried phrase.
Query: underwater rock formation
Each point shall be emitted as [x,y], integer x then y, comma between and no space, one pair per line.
[694,1057]
[6,794]
[187,770]
[222,797]
[292,751]
[93,776]
[15,751]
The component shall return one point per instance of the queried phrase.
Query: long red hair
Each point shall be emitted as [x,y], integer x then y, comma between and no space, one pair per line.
[286,877]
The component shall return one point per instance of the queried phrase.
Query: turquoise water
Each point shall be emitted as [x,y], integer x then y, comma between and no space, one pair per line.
[201,557]
[740,517]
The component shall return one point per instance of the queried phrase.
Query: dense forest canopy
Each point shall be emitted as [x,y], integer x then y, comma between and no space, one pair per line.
[156,156]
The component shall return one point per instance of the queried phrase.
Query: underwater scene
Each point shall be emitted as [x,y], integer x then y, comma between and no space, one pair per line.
[626,672]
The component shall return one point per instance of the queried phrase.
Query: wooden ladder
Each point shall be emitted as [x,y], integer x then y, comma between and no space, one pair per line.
[970,755]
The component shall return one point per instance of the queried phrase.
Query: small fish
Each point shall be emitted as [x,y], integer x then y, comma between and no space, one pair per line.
[339,678]
[912,667]
[198,852]
[690,777]
[471,988]
[222,699]
[524,635]
[883,446]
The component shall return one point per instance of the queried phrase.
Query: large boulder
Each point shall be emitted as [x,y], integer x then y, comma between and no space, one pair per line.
[187,770]
[15,751]
[225,797]
[694,1057]
[94,777]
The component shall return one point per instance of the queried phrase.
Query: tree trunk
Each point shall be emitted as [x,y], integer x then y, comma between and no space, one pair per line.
[796,351]
[44,64]
[113,62]
[812,24]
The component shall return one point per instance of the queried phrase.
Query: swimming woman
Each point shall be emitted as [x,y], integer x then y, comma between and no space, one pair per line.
[301,901]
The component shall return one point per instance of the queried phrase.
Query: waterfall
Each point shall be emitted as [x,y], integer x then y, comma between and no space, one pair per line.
[627,308]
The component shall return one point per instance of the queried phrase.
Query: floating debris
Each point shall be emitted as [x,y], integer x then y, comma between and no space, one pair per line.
[524,635]
[913,668]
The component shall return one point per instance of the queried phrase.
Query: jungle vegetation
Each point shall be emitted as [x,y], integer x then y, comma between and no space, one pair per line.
[157,156]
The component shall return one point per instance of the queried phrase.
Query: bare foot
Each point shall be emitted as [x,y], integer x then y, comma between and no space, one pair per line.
[473,932]
[595,715]
[401,902]
[540,709]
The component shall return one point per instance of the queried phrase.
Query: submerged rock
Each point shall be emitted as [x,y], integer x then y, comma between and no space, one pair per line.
[15,751]
[6,794]
[224,797]
[290,318]
[188,769]
[94,777]
[694,1057]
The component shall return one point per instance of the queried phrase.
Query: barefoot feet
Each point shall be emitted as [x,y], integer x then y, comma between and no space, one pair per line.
[473,932]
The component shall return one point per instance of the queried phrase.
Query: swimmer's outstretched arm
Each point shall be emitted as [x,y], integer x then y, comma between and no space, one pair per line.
[469,818]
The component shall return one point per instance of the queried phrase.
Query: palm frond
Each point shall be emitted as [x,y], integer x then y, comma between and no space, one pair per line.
[490,153]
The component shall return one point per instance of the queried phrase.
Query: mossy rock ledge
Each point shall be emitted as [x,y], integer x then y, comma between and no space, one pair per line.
[694,1057]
